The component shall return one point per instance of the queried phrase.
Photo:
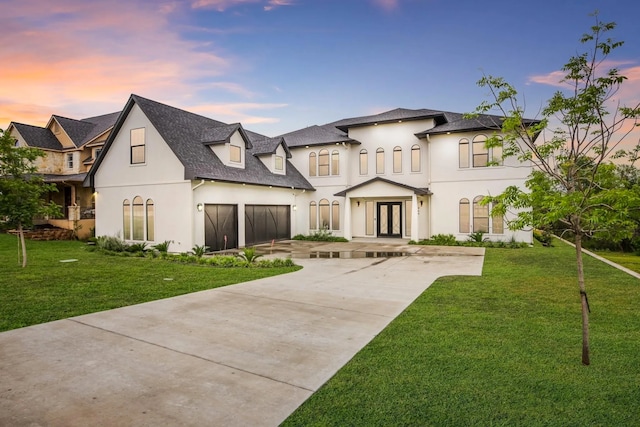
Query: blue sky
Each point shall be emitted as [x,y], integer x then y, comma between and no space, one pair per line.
[280,65]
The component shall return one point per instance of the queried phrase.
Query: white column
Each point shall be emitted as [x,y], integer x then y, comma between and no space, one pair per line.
[346,228]
[415,222]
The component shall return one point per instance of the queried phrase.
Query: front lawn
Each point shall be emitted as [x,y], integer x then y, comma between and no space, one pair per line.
[629,260]
[498,350]
[48,289]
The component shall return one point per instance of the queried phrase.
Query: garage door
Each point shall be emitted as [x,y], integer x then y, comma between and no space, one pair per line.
[263,223]
[221,227]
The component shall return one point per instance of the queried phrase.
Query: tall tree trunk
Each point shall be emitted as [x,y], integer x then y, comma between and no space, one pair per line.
[584,301]
[24,248]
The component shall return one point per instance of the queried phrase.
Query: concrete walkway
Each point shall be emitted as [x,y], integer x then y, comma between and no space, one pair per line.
[242,355]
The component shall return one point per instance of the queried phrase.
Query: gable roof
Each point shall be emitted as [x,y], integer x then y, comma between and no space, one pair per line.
[397,115]
[38,137]
[317,135]
[222,134]
[416,190]
[183,132]
[269,146]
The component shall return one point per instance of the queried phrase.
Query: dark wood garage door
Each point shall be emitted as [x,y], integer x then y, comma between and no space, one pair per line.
[263,223]
[221,227]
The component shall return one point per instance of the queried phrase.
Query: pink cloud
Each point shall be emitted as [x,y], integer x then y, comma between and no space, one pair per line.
[223,5]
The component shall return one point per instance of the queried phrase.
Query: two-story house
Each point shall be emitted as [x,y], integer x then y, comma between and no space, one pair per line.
[168,174]
[71,147]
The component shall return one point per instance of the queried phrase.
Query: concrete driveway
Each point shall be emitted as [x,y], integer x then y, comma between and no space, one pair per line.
[247,354]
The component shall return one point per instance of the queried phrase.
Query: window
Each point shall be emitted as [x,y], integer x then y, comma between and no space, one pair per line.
[138,219]
[335,163]
[312,164]
[480,215]
[150,217]
[313,216]
[480,152]
[137,146]
[69,160]
[126,220]
[415,158]
[464,213]
[463,148]
[397,160]
[369,212]
[279,163]
[497,224]
[364,162]
[496,154]
[324,214]
[323,163]
[235,154]
[408,207]
[335,216]
[380,160]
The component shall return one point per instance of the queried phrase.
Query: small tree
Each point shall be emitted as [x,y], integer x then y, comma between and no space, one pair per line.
[22,188]
[573,182]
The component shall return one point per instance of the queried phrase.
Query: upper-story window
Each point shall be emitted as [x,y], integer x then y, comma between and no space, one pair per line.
[480,151]
[380,160]
[335,162]
[323,163]
[279,163]
[477,154]
[137,146]
[364,162]
[463,148]
[312,164]
[415,158]
[397,160]
[69,161]
[235,153]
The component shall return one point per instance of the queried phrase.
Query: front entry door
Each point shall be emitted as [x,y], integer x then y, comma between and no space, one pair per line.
[390,219]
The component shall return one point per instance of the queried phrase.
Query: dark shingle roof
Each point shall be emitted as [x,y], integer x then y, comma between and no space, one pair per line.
[183,132]
[316,135]
[262,146]
[85,130]
[101,124]
[38,137]
[456,122]
[416,190]
[398,114]
[52,178]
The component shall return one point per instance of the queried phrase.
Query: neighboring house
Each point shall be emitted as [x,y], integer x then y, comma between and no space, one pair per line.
[169,175]
[71,147]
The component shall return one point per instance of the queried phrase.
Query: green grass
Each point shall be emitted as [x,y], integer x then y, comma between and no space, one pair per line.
[498,350]
[49,290]
[631,261]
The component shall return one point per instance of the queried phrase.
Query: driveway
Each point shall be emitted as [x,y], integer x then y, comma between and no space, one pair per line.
[247,354]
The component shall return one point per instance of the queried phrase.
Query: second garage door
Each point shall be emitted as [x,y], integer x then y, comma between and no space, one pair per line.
[263,223]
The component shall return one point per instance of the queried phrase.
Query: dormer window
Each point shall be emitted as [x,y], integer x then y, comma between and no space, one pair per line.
[279,163]
[235,153]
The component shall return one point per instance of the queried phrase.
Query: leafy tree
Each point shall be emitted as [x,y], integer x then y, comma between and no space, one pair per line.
[574,182]
[22,188]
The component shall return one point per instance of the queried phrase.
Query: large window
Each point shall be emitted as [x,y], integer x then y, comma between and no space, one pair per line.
[380,160]
[323,163]
[138,219]
[126,219]
[335,216]
[480,215]
[335,162]
[312,164]
[324,214]
[415,158]
[397,160]
[364,162]
[313,216]
[480,151]
[150,219]
[137,146]
[463,148]
[235,154]
[465,216]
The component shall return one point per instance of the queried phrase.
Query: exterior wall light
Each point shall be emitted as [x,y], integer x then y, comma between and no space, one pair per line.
[200,207]
[295,208]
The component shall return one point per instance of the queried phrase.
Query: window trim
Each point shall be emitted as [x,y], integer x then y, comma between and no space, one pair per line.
[380,161]
[416,158]
[133,147]
[69,161]
[335,163]
[313,164]
[397,159]
[364,155]
[324,163]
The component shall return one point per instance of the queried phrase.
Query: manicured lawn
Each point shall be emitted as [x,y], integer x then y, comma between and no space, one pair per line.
[48,289]
[498,350]
[631,261]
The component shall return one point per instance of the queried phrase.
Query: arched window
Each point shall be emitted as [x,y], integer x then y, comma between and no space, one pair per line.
[496,153]
[335,162]
[497,224]
[397,160]
[464,213]
[126,219]
[324,214]
[480,215]
[415,158]
[364,162]
[138,218]
[480,151]
[380,160]
[335,216]
[150,218]
[312,164]
[323,163]
[463,149]
[313,216]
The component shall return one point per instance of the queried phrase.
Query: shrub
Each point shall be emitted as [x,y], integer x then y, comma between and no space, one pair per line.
[137,247]
[249,255]
[477,236]
[111,243]
[199,250]
[444,240]
[322,235]
[543,236]
[163,247]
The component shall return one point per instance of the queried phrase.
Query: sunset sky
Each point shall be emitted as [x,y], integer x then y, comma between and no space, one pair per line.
[280,65]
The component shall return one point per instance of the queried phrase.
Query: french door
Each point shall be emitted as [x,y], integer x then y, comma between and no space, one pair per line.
[389,219]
